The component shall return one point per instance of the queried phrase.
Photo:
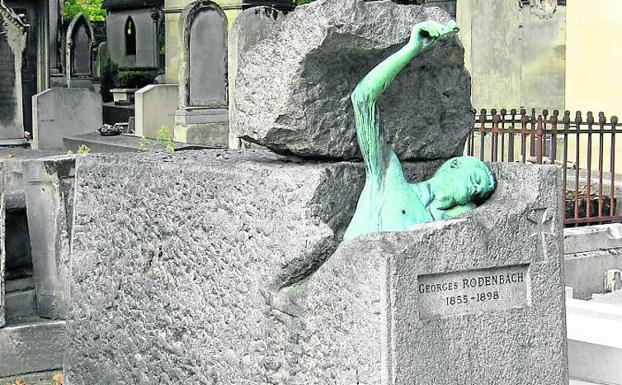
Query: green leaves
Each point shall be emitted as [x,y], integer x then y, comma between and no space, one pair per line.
[91,9]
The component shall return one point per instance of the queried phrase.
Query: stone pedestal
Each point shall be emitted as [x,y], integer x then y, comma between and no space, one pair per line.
[48,187]
[226,267]
[196,125]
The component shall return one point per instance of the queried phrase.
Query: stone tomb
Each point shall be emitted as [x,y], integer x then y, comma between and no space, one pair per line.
[225,267]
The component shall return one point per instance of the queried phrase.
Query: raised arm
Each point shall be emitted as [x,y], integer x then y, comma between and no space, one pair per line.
[370,138]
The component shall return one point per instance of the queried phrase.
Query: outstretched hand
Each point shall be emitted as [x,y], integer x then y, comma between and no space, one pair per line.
[426,33]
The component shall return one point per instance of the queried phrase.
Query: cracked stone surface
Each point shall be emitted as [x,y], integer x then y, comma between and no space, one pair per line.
[293,86]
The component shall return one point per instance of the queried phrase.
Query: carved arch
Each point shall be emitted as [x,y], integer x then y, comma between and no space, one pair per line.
[77,23]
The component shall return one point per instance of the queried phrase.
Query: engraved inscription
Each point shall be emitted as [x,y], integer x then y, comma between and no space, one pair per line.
[473,291]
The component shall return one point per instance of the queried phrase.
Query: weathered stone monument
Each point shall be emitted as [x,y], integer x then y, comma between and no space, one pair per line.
[12,44]
[79,45]
[228,267]
[62,112]
[202,116]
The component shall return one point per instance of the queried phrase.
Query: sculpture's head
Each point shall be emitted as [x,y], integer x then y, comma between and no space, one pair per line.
[462,180]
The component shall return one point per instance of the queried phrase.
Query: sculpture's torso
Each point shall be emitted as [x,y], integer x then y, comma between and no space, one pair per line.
[390,203]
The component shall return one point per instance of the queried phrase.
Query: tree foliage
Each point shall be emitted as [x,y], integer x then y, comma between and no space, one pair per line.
[91,9]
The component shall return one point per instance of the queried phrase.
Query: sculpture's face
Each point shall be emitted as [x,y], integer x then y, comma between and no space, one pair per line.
[464,179]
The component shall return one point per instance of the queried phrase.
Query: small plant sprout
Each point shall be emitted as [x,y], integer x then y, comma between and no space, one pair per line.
[84,149]
[142,144]
[164,135]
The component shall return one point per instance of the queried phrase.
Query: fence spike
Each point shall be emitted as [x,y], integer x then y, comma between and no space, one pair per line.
[482,116]
[590,117]
[493,111]
[523,111]
[545,113]
[556,113]
[513,112]
[577,118]
[614,120]
[504,112]
[483,111]
[602,119]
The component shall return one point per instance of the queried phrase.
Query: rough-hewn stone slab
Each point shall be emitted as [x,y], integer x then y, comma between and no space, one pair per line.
[293,86]
[176,259]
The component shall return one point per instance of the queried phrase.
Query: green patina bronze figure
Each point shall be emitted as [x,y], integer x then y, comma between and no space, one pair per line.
[388,202]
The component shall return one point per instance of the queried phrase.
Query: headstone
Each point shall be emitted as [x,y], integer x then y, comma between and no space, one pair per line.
[79,49]
[155,107]
[202,115]
[225,267]
[64,112]
[208,59]
[12,45]
[48,187]
[292,88]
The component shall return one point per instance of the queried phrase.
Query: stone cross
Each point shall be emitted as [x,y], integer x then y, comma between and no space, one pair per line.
[543,223]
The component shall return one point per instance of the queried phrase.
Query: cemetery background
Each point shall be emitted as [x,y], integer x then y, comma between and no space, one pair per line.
[586,265]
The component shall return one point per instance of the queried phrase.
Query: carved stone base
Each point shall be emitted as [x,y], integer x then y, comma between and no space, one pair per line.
[202,126]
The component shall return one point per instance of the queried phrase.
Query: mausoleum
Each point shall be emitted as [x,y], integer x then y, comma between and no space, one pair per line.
[134,31]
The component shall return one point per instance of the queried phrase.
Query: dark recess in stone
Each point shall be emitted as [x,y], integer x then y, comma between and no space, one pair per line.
[17,244]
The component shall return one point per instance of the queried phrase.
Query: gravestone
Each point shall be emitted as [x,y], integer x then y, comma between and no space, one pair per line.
[155,106]
[12,45]
[202,115]
[79,51]
[64,112]
[292,88]
[225,267]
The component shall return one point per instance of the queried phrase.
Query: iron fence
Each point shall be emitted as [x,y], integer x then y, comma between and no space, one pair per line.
[585,149]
